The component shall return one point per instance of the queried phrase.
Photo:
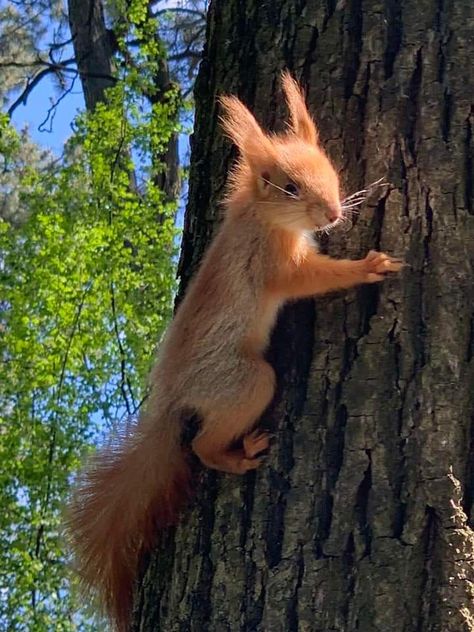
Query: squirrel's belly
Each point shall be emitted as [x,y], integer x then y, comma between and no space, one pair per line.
[259,334]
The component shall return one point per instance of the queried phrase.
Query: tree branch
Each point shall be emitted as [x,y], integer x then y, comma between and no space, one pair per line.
[49,68]
[22,99]
[124,381]
[193,54]
[51,113]
[156,14]
[37,62]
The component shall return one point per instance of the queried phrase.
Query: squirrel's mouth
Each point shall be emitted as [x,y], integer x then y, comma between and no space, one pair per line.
[326,227]
[319,224]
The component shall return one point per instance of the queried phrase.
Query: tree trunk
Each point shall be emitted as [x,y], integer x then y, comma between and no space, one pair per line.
[93,49]
[361,519]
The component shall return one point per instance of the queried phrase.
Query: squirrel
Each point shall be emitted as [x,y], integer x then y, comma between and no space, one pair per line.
[211,363]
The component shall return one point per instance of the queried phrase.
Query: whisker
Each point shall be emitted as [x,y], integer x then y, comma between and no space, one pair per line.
[355,200]
[353,205]
[327,228]
[355,196]
[363,193]
[291,195]
[351,211]
[378,183]
[360,195]
[274,203]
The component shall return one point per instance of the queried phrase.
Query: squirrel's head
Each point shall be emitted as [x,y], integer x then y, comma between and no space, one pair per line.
[287,178]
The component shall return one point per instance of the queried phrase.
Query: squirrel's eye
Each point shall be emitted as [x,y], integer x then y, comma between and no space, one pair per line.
[292,189]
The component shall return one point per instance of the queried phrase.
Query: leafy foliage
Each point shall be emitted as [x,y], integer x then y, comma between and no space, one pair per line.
[17,156]
[87,283]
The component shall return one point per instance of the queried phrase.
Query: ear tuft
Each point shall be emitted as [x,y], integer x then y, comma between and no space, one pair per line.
[242,128]
[302,123]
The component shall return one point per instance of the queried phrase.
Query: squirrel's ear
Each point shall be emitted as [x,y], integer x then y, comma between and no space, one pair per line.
[242,128]
[301,121]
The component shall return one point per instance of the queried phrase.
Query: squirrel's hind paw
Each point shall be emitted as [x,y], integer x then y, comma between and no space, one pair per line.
[256,442]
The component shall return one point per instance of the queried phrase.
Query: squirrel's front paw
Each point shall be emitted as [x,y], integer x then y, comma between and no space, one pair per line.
[378,264]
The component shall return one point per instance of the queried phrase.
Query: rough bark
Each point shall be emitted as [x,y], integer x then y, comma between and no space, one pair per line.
[93,49]
[362,517]
[166,165]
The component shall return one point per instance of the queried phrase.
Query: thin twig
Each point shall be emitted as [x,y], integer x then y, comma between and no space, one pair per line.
[124,381]
[156,14]
[51,113]
[55,418]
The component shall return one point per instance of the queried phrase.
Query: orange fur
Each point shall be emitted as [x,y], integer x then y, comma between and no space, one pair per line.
[129,490]
[211,361]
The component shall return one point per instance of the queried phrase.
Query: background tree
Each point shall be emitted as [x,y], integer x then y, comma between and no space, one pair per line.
[362,517]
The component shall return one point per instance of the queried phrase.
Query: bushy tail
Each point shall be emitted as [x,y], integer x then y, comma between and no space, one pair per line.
[128,491]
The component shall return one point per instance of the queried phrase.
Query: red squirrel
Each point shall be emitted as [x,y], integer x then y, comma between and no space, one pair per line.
[211,362]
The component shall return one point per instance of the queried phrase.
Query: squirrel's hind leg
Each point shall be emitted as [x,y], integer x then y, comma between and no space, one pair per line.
[217,455]
[223,458]
[225,421]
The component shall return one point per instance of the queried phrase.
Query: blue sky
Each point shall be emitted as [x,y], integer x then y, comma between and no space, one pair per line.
[36,109]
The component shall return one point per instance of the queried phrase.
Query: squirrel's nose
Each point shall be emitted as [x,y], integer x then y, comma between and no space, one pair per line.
[332,216]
